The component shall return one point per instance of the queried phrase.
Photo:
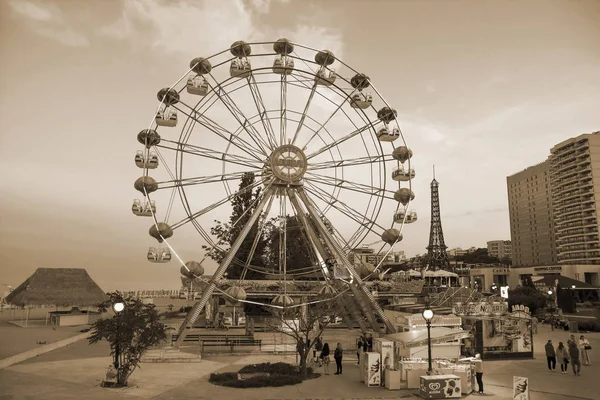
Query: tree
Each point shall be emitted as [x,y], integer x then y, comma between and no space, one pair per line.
[244,204]
[527,296]
[132,331]
[298,253]
[311,325]
[478,256]
[506,261]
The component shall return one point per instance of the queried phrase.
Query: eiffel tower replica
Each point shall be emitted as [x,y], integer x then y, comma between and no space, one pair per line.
[437,258]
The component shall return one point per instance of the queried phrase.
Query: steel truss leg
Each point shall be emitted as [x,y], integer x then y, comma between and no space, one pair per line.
[334,246]
[207,293]
[351,313]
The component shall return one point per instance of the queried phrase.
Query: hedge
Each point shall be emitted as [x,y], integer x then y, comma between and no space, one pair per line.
[281,374]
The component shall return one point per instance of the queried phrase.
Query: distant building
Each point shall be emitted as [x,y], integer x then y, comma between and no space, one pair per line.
[575,183]
[458,252]
[368,256]
[553,206]
[531,218]
[500,248]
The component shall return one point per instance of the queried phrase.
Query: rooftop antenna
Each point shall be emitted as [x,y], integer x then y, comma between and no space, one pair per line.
[433,171]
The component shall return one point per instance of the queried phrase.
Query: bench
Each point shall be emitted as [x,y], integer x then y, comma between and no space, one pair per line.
[220,341]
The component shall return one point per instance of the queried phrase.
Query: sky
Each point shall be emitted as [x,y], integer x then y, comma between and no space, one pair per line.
[483,89]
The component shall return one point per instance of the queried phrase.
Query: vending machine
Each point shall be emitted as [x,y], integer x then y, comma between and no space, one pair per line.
[373,369]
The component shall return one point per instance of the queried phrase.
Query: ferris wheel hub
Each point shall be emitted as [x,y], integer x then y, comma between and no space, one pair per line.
[288,164]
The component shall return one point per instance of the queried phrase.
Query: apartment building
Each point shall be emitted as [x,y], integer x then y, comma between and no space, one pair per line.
[575,184]
[499,248]
[531,216]
[457,251]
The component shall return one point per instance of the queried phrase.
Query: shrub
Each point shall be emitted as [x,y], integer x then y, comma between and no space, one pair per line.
[590,326]
[273,368]
[223,377]
[281,374]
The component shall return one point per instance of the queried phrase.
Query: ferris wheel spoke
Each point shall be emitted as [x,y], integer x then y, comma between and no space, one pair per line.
[349,185]
[306,107]
[341,140]
[202,180]
[239,116]
[194,216]
[360,219]
[340,205]
[350,162]
[223,133]
[210,154]
[283,109]
[262,111]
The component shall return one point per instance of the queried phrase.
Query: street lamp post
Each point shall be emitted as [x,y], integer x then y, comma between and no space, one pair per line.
[117,308]
[428,316]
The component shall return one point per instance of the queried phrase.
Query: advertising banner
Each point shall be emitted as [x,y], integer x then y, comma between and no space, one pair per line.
[440,387]
[520,388]
[374,369]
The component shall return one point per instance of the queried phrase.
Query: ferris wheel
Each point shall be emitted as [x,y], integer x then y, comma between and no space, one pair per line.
[322,154]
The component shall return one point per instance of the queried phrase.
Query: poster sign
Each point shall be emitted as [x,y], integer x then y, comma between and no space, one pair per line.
[374,369]
[520,388]
[482,308]
[504,292]
[440,387]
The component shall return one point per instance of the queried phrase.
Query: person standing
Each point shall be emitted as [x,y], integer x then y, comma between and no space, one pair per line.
[370,341]
[337,355]
[478,364]
[574,355]
[584,348]
[550,356]
[534,325]
[562,356]
[359,345]
[317,350]
[326,358]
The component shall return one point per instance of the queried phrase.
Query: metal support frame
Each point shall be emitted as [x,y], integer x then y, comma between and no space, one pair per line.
[334,246]
[207,293]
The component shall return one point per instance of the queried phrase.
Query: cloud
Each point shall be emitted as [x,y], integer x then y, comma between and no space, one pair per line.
[430,88]
[183,29]
[48,21]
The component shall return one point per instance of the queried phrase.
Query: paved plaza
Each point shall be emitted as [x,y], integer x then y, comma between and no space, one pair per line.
[75,372]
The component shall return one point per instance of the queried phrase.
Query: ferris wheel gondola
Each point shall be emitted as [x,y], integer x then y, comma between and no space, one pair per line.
[318,143]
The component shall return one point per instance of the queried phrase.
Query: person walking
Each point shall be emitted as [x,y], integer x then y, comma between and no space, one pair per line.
[584,348]
[574,356]
[326,358]
[478,364]
[562,356]
[359,345]
[337,355]
[534,325]
[550,356]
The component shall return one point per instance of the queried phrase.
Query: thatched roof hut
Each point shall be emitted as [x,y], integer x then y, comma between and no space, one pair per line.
[63,287]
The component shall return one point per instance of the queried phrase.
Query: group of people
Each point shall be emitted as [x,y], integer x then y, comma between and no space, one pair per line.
[576,353]
[364,343]
[322,355]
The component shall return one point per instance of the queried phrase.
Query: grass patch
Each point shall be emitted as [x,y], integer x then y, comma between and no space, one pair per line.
[280,374]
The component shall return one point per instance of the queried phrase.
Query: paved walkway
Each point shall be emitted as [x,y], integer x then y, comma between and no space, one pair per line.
[76,371]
